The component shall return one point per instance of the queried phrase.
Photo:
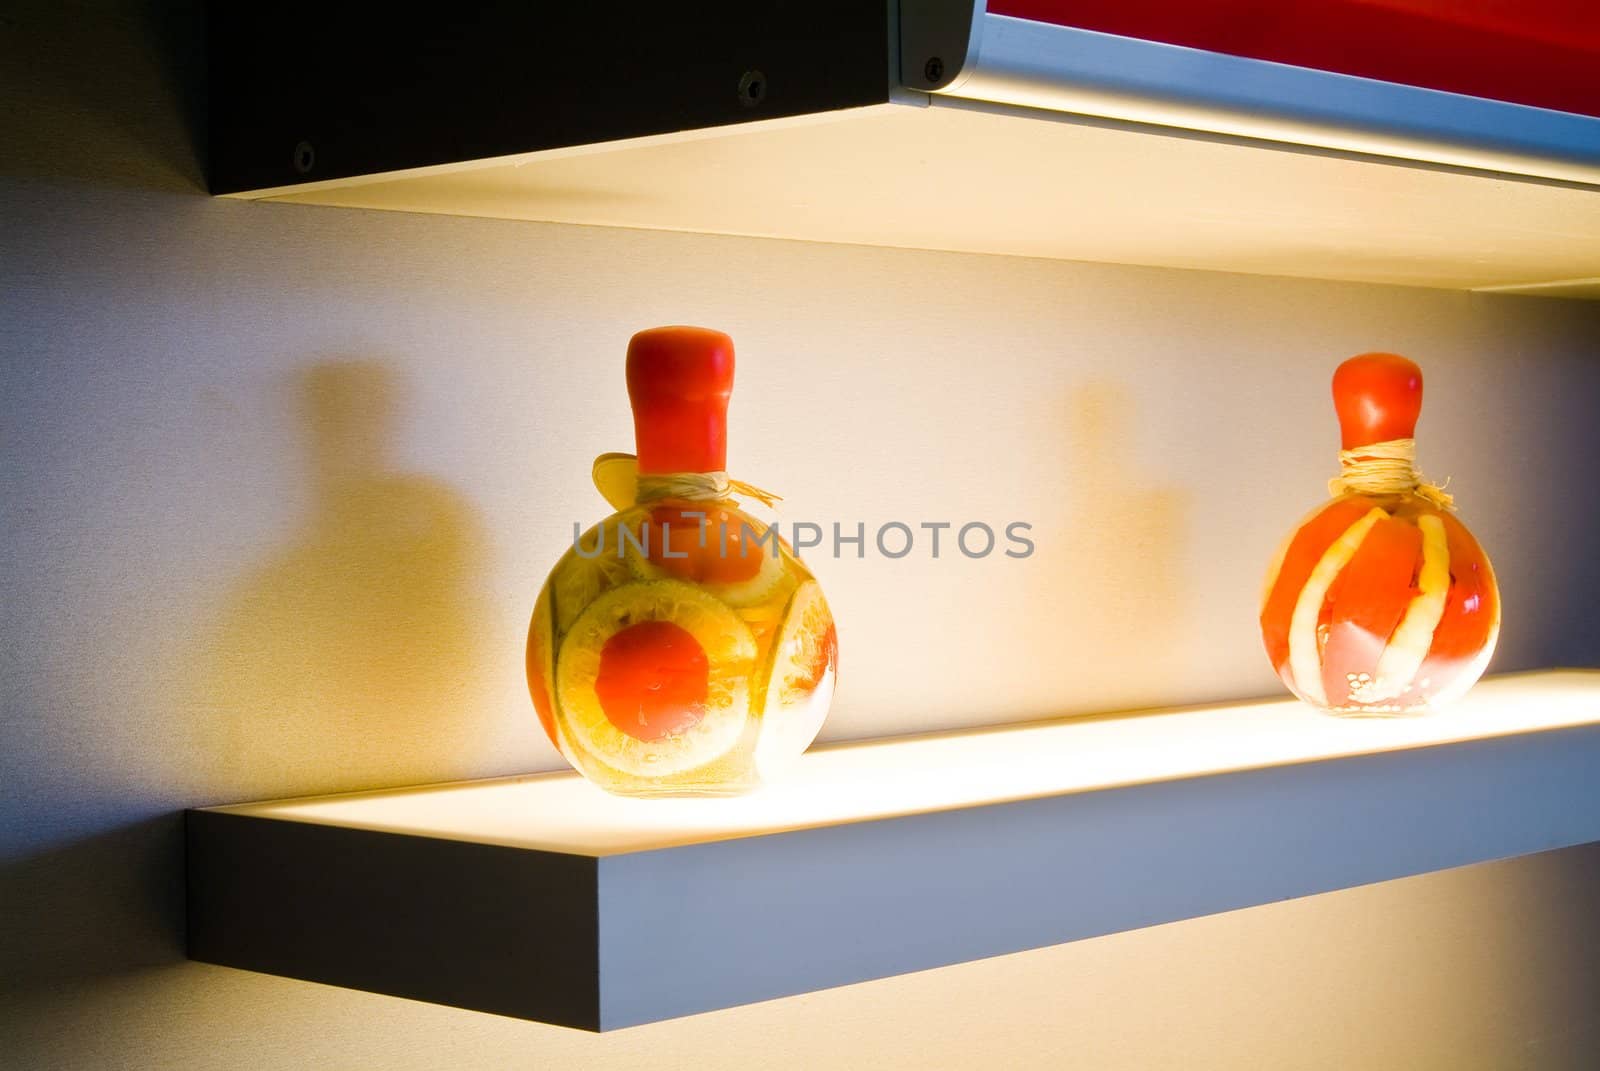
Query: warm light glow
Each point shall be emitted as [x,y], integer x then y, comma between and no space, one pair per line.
[1012,183]
[854,782]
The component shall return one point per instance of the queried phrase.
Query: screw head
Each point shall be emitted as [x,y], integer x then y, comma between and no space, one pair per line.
[752,88]
[933,70]
[305,157]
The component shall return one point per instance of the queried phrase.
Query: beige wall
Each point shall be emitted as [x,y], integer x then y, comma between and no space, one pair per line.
[280,484]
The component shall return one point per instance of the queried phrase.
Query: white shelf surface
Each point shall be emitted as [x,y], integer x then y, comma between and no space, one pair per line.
[949,771]
[544,898]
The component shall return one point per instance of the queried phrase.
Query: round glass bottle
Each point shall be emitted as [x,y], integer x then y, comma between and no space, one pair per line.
[679,647]
[1381,602]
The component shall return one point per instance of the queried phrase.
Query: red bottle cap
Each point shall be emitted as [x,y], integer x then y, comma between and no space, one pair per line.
[1378,397]
[679,380]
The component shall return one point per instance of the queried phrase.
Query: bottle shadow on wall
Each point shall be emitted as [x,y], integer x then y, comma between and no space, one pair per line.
[354,657]
[1115,567]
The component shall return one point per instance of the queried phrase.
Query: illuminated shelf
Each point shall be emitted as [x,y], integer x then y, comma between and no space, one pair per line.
[543,898]
[1040,186]
[797,122]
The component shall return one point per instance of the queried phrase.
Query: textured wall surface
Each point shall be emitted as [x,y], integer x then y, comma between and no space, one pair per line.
[280,484]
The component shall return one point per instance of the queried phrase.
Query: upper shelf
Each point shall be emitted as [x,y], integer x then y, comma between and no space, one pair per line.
[945,126]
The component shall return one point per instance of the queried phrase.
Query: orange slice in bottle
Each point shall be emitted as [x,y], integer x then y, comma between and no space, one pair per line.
[1305,646]
[653,679]
[726,551]
[797,681]
[1408,645]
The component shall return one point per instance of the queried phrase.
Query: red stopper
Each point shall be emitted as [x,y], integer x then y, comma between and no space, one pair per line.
[1378,397]
[679,379]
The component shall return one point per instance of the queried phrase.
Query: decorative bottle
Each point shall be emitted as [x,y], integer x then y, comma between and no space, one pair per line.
[1381,601]
[679,647]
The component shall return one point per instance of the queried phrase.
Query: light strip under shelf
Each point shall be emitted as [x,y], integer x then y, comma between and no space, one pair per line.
[1054,68]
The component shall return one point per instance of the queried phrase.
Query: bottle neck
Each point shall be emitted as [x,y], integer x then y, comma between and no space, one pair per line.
[679,381]
[680,436]
[1378,397]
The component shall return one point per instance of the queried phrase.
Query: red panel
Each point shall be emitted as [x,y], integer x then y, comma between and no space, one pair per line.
[1540,52]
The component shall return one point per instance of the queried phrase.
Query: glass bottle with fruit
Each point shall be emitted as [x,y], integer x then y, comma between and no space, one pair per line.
[679,647]
[1381,602]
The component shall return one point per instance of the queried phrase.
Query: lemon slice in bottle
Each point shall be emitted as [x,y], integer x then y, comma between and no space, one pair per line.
[578,578]
[653,679]
[797,681]
[541,667]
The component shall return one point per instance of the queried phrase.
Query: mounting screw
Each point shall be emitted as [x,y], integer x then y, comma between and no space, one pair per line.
[305,157]
[752,88]
[933,70]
